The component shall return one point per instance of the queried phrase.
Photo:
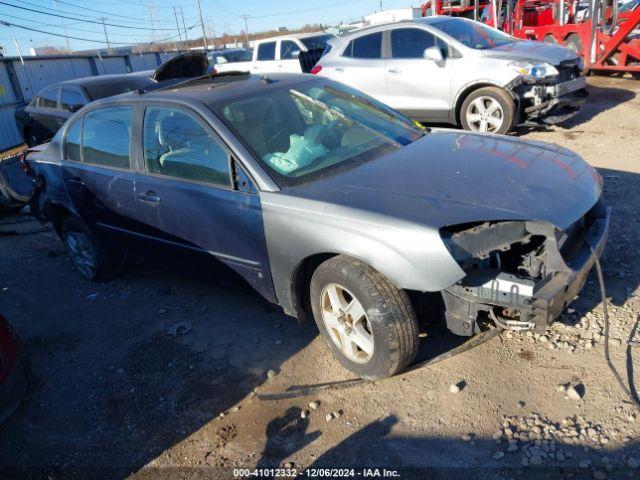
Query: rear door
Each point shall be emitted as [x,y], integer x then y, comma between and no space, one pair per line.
[265,58]
[361,65]
[97,169]
[187,196]
[44,113]
[418,87]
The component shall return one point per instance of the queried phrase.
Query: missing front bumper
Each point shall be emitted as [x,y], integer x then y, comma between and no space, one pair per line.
[522,303]
[552,104]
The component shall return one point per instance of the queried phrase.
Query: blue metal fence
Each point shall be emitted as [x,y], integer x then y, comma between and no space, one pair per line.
[21,80]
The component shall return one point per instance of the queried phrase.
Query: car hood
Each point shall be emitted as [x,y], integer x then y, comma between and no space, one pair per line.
[536,51]
[451,178]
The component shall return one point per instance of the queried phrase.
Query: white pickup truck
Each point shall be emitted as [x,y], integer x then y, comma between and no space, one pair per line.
[278,54]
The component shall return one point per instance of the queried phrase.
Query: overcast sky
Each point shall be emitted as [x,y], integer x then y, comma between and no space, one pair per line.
[128,21]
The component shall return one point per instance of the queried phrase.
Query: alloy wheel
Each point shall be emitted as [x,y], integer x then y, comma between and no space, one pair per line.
[82,253]
[485,115]
[347,323]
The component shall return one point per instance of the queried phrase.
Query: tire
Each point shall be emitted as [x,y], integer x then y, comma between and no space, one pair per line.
[387,327]
[87,254]
[477,114]
[549,39]
[574,43]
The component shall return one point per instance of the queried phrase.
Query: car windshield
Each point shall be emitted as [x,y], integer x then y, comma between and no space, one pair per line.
[311,129]
[629,6]
[473,34]
[319,42]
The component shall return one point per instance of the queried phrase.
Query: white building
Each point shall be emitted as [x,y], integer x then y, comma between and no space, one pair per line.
[388,16]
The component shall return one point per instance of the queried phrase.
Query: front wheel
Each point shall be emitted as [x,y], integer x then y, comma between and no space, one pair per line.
[488,110]
[369,325]
[86,252]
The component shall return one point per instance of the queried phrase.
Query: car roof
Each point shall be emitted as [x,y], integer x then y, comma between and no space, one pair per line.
[208,89]
[299,36]
[415,21]
[99,79]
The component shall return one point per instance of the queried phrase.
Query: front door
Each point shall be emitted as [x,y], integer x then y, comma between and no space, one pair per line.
[418,87]
[289,52]
[187,195]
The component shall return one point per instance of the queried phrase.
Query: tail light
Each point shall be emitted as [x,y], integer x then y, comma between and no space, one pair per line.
[22,162]
[316,70]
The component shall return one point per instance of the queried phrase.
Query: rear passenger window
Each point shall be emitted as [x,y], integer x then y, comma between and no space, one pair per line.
[49,98]
[369,46]
[106,137]
[267,51]
[72,143]
[177,145]
[71,99]
[288,49]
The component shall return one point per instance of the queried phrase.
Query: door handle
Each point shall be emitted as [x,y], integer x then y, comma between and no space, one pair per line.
[395,70]
[149,198]
[76,182]
[339,69]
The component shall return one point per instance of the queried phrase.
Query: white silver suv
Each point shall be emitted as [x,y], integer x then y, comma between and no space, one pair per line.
[457,71]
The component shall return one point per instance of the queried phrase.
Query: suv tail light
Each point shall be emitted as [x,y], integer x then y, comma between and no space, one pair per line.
[316,70]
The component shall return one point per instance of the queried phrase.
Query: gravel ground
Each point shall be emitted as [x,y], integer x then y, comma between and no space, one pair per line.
[156,373]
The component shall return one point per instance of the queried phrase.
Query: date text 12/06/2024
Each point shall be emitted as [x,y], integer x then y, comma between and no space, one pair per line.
[316,473]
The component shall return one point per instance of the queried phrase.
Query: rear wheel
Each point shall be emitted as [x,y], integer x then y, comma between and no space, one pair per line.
[86,252]
[369,324]
[549,39]
[488,110]
[574,43]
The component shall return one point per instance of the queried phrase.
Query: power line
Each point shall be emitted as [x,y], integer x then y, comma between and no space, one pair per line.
[9,24]
[316,8]
[80,19]
[111,14]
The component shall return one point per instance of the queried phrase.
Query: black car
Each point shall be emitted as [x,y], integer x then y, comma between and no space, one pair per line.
[39,120]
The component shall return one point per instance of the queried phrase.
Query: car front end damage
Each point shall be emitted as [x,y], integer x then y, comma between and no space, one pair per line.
[553,98]
[520,274]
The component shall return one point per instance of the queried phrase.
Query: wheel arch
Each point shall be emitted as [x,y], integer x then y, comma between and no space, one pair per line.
[301,281]
[469,89]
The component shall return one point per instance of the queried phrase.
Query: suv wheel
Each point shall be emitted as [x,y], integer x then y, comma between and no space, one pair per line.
[488,110]
[369,324]
[86,252]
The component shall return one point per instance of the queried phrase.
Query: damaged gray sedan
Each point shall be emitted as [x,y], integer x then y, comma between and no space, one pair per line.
[329,204]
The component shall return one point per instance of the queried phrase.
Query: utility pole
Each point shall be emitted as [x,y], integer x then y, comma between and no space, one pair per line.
[152,11]
[246,29]
[64,26]
[204,33]
[177,25]
[186,39]
[18,49]
[104,27]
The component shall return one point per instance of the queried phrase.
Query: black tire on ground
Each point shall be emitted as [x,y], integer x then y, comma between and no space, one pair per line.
[574,43]
[636,75]
[390,317]
[93,263]
[505,100]
[549,39]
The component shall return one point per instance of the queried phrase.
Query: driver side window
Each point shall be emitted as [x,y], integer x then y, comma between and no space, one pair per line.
[177,145]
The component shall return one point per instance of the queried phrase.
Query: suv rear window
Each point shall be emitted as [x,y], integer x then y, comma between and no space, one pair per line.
[369,46]
[267,51]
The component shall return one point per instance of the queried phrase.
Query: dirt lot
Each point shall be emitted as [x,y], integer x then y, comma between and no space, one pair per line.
[154,374]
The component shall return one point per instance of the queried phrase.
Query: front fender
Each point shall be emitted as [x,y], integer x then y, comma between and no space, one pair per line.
[412,256]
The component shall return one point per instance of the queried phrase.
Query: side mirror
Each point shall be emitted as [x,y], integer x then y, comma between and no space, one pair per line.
[295,54]
[434,54]
[75,108]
